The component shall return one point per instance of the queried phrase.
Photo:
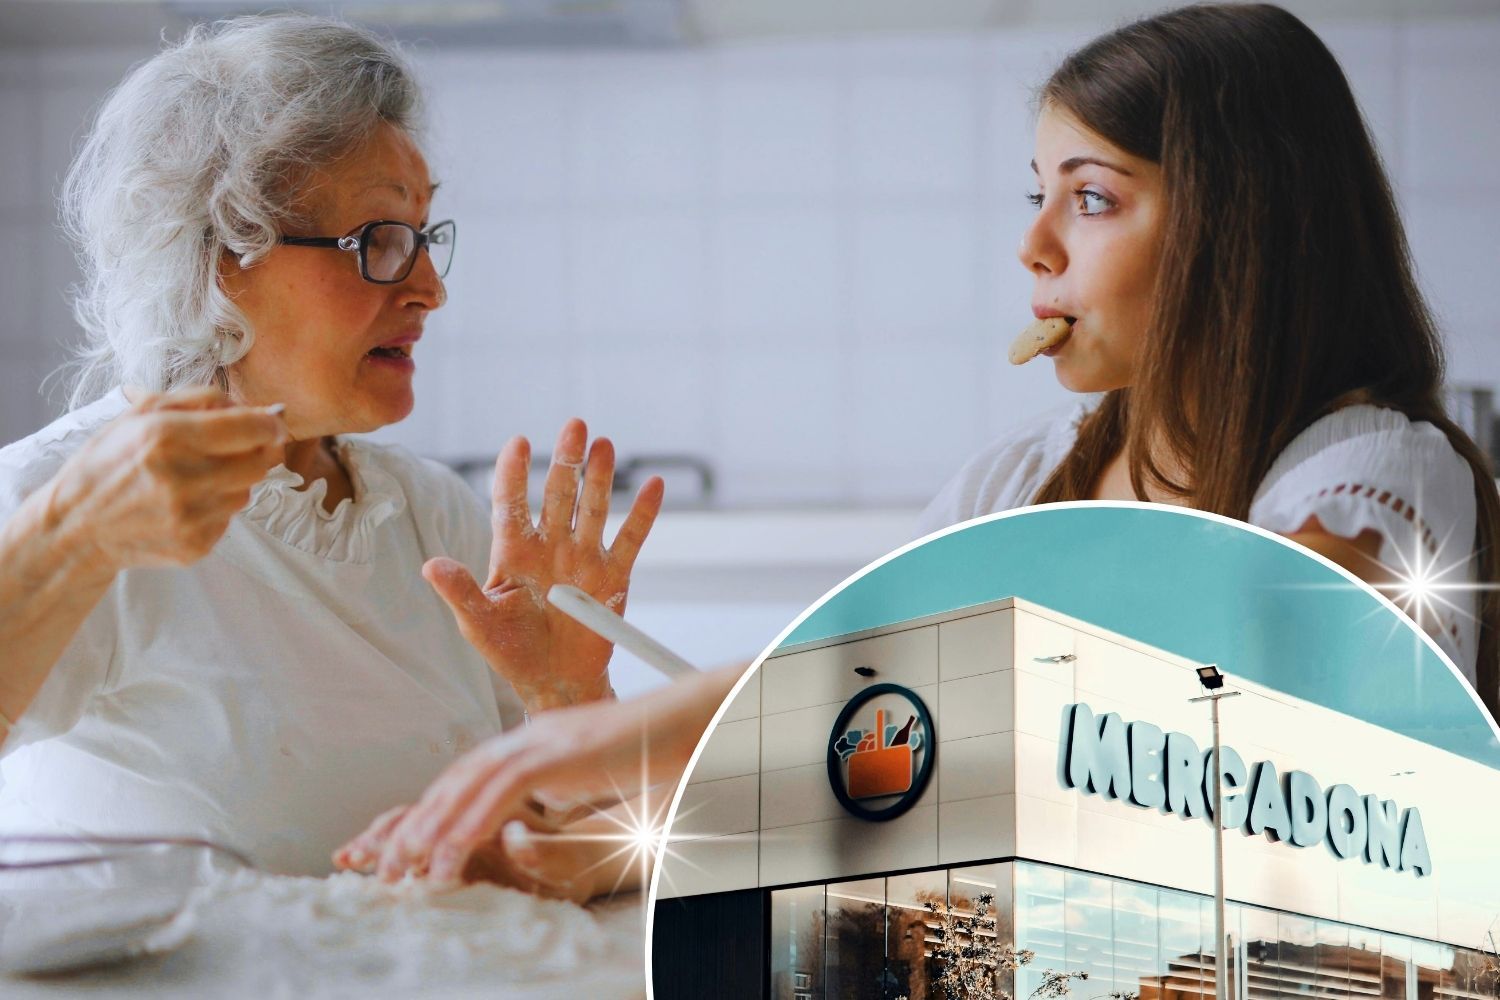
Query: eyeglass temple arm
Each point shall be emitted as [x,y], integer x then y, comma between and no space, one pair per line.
[337,242]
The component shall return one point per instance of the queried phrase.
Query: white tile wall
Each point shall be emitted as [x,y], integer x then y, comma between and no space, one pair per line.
[794,258]
[775,137]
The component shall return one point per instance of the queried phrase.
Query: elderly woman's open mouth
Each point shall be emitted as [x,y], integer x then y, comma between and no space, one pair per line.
[396,352]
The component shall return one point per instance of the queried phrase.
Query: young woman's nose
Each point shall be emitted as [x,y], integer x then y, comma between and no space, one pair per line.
[1040,251]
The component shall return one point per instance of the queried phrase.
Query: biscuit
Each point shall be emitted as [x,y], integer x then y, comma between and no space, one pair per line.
[1037,337]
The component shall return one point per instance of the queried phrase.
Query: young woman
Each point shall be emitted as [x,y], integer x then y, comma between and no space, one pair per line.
[1214,224]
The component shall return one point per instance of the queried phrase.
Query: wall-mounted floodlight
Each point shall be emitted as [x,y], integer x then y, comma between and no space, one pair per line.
[1211,677]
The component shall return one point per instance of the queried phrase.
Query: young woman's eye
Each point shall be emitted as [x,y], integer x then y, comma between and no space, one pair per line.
[1035,197]
[1092,202]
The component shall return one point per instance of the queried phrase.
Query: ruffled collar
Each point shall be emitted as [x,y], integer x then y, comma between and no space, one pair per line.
[280,506]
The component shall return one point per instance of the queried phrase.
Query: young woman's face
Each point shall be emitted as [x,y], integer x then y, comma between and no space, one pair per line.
[1093,248]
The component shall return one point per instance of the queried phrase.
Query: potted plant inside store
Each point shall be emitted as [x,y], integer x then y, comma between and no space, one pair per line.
[969,956]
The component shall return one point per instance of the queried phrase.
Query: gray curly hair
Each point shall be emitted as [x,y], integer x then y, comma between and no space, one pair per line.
[200,150]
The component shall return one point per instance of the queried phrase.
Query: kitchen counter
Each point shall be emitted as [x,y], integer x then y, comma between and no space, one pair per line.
[258,936]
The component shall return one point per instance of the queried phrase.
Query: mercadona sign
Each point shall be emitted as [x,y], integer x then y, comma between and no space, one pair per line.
[1140,764]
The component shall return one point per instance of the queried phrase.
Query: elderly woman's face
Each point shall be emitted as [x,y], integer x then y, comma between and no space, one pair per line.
[328,344]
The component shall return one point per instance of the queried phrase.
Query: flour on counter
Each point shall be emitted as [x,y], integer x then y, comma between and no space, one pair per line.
[248,934]
[296,932]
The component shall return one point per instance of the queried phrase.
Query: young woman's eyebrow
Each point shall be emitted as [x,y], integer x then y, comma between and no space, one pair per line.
[1072,163]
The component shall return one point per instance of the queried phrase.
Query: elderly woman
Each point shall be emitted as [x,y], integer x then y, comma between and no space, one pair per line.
[216,622]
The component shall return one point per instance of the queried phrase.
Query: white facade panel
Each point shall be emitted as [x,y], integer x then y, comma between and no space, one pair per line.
[976,829]
[974,706]
[719,808]
[976,768]
[847,846]
[714,864]
[733,749]
[796,796]
[746,704]
[976,645]
[826,675]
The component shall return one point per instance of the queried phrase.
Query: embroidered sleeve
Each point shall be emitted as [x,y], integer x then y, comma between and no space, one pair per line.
[1368,469]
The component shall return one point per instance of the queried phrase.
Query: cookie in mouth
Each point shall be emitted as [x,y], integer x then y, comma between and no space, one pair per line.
[1042,335]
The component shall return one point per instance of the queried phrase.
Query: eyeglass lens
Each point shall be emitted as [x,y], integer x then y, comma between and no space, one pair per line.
[390,251]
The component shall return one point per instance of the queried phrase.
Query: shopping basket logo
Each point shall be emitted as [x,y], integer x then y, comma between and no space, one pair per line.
[880,752]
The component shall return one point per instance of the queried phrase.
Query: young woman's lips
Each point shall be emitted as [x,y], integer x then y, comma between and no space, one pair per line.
[1057,348]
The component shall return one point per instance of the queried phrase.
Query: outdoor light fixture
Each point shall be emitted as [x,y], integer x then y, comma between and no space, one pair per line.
[1212,679]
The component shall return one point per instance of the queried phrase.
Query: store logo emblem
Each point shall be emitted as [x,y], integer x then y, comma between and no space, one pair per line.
[880,752]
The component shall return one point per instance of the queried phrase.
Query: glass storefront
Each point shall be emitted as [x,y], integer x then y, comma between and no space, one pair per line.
[874,939]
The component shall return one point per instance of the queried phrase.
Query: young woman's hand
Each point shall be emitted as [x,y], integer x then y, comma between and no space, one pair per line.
[158,485]
[547,657]
[526,854]
[566,763]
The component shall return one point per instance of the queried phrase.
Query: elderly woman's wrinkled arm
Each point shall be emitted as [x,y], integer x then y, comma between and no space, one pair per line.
[156,487]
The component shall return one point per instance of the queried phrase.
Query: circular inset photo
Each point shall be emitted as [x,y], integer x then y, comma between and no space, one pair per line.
[1090,750]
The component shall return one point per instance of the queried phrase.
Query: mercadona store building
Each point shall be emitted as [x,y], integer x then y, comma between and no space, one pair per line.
[1008,750]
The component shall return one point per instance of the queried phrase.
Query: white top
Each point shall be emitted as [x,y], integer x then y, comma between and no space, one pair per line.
[275,695]
[1361,467]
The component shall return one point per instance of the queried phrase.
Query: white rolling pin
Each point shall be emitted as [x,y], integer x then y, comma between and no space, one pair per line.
[598,619]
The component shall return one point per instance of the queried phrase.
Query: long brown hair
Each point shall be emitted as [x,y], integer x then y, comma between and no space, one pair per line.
[1285,288]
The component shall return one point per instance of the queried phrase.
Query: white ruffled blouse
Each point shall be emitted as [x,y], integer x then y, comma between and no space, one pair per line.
[275,695]
[1359,468]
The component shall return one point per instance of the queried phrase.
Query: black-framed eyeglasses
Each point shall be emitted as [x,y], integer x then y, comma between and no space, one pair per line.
[387,249]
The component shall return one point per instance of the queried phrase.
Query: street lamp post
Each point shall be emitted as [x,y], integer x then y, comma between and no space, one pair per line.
[1212,679]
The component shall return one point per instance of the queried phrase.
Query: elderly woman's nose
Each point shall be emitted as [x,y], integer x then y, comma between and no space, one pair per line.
[1040,251]
[423,286]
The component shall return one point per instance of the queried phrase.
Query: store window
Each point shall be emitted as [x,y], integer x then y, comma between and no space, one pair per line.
[1040,926]
[797,943]
[854,941]
[1395,953]
[878,939]
[1331,961]
[1136,941]
[911,929]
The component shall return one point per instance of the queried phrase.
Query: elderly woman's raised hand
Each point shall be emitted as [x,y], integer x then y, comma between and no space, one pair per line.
[547,657]
[159,484]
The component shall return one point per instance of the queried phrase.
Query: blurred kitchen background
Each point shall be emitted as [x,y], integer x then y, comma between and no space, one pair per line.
[768,246]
